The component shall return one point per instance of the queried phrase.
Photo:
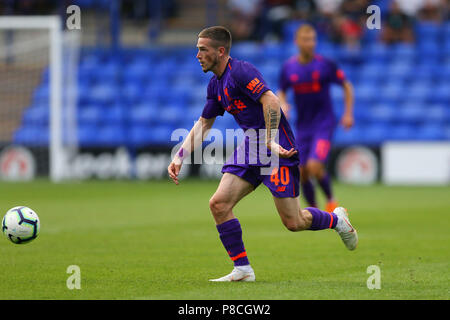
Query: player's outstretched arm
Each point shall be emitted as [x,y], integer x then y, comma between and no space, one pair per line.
[272,115]
[194,139]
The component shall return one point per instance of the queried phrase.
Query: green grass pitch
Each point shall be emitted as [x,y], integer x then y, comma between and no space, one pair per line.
[155,240]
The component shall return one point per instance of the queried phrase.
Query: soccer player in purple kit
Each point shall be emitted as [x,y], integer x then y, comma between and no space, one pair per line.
[237,87]
[310,76]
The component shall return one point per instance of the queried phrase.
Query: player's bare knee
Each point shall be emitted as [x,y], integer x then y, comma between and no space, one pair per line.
[310,168]
[304,178]
[303,174]
[218,207]
[314,169]
[293,226]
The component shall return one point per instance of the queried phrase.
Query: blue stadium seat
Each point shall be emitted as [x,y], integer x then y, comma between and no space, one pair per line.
[376,52]
[179,97]
[443,72]
[246,51]
[391,84]
[144,113]
[113,114]
[203,79]
[383,113]
[193,111]
[45,76]
[366,93]
[155,92]
[428,48]
[445,53]
[137,72]
[431,131]
[32,136]
[410,114]
[424,73]
[372,70]
[190,66]
[139,135]
[404,52]
[402,132]
[87,135]
[289,49]
[399,69]
[337,94]
[90,58]
[111,136]
[161,135]
[105,93]
[270,68]
[289,29]
[182,81]
[361,112]
[36,115]
[83,90]
[446,132]
[273,51]
[375,134]
[42,94]
[107,72]
[428,30]
[440,94]
[446,29]
[370,36]
[347,137]
[437,113]
[90,115]
[427,71]
[131,92]
[392,94]
[89,68]
[170,114]
[418,91]
[198,95]
[92,3]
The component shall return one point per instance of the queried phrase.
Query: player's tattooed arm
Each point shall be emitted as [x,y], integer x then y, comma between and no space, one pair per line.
[272,115]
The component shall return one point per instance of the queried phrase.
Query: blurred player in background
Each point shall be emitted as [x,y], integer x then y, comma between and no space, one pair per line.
[239,88]
[310,76]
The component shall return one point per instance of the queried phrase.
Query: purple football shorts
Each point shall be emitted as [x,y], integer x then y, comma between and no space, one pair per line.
[283,182]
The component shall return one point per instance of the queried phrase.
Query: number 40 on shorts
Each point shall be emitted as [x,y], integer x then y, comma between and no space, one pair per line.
[281,175]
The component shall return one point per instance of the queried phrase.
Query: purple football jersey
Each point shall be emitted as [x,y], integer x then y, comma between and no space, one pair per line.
[311,85]
[238,91]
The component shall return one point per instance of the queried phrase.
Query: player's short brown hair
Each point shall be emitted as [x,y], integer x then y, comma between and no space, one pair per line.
[221,37]
[304,27]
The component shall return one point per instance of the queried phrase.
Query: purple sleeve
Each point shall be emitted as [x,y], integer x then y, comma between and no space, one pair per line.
[336,74]
[212,107]
[284,81]
[250,80]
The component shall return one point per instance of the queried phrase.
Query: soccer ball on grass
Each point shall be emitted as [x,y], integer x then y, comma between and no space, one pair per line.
[20,225]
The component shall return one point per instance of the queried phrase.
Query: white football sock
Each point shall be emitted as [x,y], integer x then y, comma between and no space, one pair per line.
[246,268]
